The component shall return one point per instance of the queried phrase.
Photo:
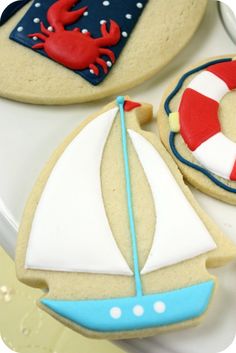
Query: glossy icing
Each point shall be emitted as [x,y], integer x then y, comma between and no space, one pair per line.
[130,105]
[70,222]
[199,122]
[211,152]
[209,85]
[133,313]
[179,234]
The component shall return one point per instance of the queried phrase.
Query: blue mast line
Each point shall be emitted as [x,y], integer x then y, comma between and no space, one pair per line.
[138,282]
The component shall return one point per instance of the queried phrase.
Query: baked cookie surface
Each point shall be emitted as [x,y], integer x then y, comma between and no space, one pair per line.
[114,234]
[36,79]
[196,121]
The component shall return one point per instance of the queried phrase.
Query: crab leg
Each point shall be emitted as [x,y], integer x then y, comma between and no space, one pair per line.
[38,35]
[108,53]
[38,46]
[44,30]
[94,68]
[88,34]
[103,64]
[76,29]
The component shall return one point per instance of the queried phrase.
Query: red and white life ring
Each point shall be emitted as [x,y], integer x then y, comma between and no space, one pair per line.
[199,121]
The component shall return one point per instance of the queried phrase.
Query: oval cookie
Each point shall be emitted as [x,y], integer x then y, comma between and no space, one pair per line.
[161,31]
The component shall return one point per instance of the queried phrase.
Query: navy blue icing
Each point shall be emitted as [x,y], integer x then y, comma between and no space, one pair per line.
[116,10]
[172,135]
[11,9]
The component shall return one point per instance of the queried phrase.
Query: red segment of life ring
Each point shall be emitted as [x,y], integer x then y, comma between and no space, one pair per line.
[199,121]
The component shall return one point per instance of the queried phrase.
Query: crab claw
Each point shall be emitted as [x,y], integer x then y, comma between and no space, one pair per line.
[110,37]
[59,15]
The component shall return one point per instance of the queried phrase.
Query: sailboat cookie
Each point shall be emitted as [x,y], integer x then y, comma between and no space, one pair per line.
[201,134]
[115,235]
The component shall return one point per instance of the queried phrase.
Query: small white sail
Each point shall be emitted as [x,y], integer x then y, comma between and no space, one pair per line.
[70,230]
[179,234]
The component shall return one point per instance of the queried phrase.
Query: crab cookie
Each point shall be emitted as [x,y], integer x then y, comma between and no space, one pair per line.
[115,235]
[70,51]
[197,124]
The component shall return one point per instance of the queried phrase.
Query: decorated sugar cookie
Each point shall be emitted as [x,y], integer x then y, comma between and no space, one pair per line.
[74,39]
[197,124]
[90,49]
[116,237]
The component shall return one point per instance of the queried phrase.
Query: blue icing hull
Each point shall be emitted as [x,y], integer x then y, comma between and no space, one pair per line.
[140,312]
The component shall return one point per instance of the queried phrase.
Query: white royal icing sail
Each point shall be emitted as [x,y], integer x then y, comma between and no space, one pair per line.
[180,234]
[70,230]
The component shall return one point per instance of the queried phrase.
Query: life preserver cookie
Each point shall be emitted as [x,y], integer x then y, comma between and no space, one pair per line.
[199,121]
[192,109]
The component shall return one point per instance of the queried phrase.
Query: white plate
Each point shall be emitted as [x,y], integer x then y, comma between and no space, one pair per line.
[29,134]
[229,20]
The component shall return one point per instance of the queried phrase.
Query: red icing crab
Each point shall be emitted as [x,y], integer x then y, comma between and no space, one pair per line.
[74,49]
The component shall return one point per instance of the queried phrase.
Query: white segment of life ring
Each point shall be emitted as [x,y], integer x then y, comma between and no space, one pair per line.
[211,152]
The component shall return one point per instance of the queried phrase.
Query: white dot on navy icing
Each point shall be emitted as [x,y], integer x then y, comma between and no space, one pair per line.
[20,29]
[35,38]
[139,5]
[124,34]
[86,13]
[84,30]
[91,72]
[106,3]
[128,16]
[109,63]
[102,21]
[138,310]
[159,307]
[36,20]
[50,28]
[115,312]
[37,4]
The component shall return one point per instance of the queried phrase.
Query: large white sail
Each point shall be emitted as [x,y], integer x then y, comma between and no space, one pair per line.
[171,243]
[70,230]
